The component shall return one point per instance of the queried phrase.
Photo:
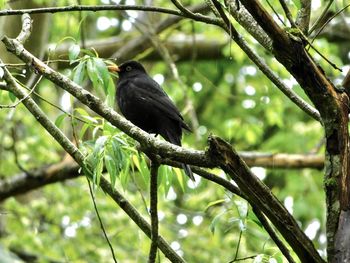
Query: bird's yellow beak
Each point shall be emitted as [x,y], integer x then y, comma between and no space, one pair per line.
[113,68]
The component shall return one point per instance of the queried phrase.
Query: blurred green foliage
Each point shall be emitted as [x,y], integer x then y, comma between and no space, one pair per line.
[203,222]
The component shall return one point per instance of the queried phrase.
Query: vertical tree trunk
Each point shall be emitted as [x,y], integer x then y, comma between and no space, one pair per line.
[337,186]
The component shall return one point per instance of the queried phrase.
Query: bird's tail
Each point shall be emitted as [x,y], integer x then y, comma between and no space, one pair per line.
[174,139]
[188,171]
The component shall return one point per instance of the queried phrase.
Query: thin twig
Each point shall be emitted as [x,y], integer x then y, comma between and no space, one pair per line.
[198,17]
[275,12]
[238,245]
[15,65]
[327,22]
[244,258]
[100,220]
[21,100]
[307,108]
[319,19]
[95,8]
[288,13]
[15,153]
[153,187]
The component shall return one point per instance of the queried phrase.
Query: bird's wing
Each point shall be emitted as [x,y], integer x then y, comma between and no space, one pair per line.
[149,92]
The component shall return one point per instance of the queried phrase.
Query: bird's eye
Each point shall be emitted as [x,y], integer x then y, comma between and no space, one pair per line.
[128,68]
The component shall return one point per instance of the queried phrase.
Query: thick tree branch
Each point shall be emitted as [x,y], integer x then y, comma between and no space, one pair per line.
[147,141]
[266,21]
[260,195]
[24,182]
[283,160]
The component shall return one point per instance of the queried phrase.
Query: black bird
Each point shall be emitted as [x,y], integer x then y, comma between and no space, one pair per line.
[143,102]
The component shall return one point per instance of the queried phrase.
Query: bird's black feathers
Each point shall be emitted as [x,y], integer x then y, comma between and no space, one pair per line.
[143,102]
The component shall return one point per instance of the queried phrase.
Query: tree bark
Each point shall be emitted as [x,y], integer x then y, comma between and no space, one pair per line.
[333,106]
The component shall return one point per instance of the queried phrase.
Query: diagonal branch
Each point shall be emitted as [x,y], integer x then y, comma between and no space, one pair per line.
[288,13]
[242,16]
[273,234]
[260,195]
[147,141]
[71,149]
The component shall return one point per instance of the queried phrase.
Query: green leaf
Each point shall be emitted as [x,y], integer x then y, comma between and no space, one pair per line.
[110,98]
[80,73]
[214,203]
[242,207]
[97,158]
[103,73]
[145,172]
[87,52]
[73,52]
[136,161]
[166,173]
[297,3]
[93,74]
[215,221]
[12,96]
[180,178]
[111,167]
[98,169]
[252,217]
[60,119]
[124,178]
[83,130]
[118,154]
